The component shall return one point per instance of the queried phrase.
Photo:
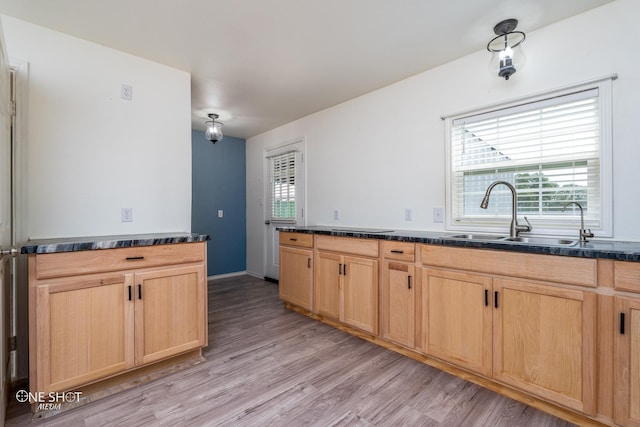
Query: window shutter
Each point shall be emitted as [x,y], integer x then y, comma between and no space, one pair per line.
[283,187]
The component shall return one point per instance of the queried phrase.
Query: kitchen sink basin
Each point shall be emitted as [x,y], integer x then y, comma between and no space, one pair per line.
[485,237]
[544,241]
[541,241]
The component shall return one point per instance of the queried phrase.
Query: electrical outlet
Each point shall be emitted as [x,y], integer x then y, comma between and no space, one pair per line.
[220,213]
[126,215]
[408,214]
[438,215]
[336,214]
[126,92]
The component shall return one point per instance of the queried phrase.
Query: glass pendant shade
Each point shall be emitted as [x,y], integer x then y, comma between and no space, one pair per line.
[505,62]
[506,49]
[214,129]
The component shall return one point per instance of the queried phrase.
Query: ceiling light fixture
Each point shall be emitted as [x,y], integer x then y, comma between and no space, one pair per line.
[214,129]
[507,56]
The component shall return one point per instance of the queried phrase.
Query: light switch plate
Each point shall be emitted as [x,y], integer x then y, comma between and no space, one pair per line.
[126,215]
[438,215]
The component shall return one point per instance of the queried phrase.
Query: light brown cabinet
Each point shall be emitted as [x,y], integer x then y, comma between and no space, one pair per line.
[457,318]
[346,285]
[94,325]
[627,345]
[538,338]
[398,297]
[296,269]
[544,342]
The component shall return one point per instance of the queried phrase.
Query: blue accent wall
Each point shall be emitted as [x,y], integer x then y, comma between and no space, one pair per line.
[219,183]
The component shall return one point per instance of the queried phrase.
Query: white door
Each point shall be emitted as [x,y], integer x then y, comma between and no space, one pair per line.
[285,198]
[5,215]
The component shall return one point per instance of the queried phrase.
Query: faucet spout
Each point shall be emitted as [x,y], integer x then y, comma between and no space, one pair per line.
[584,233]
[514,228]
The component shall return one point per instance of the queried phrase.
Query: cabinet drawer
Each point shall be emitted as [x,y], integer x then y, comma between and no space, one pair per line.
[102,260]
[296,239]
[349,245]
[400,251]
[560,269]
[626,276]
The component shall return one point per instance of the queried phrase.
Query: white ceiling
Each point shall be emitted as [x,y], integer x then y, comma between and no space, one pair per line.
[264,63]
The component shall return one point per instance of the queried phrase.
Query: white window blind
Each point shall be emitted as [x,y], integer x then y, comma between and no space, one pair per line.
[550,150]
[283,187]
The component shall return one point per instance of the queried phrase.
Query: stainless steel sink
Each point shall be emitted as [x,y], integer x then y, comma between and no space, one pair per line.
[484,237]
[541,241]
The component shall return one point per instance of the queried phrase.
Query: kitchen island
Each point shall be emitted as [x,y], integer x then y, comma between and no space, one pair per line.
[105,310]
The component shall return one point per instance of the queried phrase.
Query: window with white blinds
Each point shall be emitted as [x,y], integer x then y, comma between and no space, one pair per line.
[283,187]
[550,150]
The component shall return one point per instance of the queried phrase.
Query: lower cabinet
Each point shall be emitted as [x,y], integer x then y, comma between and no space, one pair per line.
[346,289]
[457,318]
[627,362]
[544,342]
[86,331]
[92,326]
[296,276]
[399,303]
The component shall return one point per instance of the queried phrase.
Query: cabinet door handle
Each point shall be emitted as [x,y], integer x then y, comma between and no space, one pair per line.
[344,269]
[621,323]
[139,291]
[134,258]
[397,251]
[130,296]
[293,239]
[486,297]
[308,262]
[495,299]
[339,269]
[409,282]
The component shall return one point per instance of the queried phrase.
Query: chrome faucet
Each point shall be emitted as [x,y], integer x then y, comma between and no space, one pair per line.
[515,227]
[584,233]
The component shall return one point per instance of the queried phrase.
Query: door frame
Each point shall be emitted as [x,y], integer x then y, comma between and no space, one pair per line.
[299,145]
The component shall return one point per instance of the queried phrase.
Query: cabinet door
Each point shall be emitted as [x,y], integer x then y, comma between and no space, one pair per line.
[627,362]
[360,293]
[457,318]
[85,331]
[171,313]
[544,342]
[328,270]
[399,303]
[296,276]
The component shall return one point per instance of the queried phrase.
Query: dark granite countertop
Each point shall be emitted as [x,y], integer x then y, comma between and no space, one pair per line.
[609,249]
[90,243]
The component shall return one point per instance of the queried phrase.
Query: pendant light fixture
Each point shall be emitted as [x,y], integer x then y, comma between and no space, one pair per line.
[506,49]
[214,129]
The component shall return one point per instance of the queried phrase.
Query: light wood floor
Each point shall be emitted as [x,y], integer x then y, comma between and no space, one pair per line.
[267,366]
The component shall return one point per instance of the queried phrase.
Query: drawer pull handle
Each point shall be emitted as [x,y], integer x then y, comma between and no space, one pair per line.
[621,323]
[134,258]
[139,291]
[130,296]
[495,294]
[397,251]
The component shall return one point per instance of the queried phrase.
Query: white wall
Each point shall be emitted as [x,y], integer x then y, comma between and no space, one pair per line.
[90,153]
[374,156]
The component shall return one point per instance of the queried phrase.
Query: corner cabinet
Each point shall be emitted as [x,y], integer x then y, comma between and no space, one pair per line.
[95,314]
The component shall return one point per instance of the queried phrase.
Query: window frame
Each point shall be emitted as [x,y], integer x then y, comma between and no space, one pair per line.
[541,227]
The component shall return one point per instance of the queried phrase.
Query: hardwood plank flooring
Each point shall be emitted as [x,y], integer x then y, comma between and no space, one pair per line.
[268,366]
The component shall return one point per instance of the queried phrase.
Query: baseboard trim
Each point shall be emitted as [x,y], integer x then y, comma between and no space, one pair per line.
[223,276]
